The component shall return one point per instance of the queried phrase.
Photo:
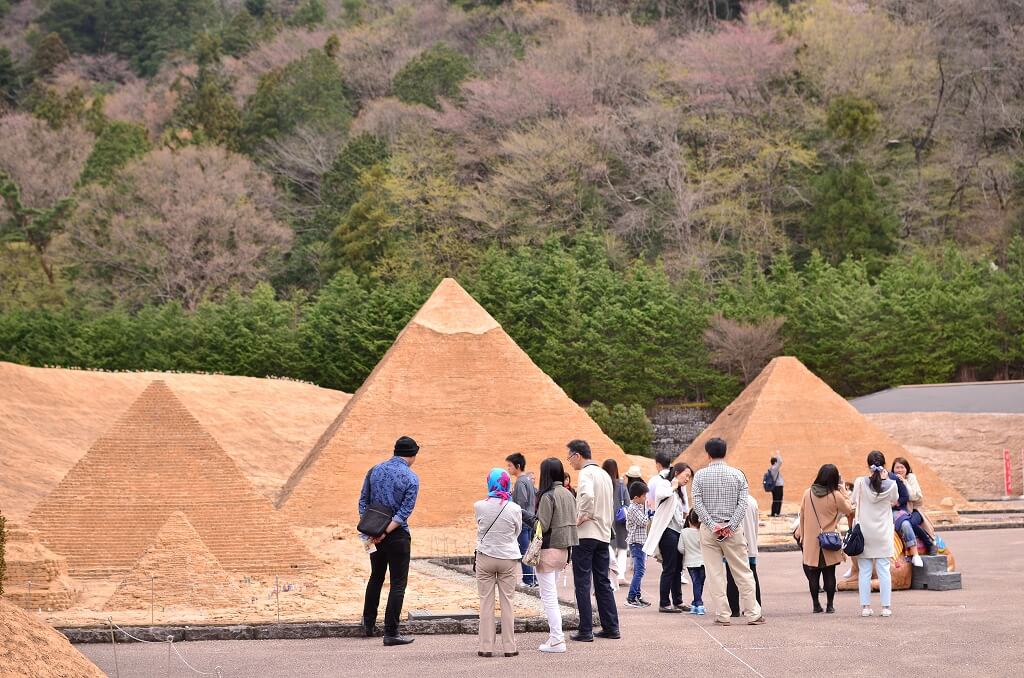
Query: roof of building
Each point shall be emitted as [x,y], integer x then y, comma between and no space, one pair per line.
[989,397]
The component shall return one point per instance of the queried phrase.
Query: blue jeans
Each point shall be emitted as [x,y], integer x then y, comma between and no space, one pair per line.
[907,532]
[590,563]
[529,578]
[697,579]
[881,566]
[636,552]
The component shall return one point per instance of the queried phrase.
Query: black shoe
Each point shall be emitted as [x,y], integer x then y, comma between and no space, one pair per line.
[829,609]
[681,607]
[670,610]
[397,640]
[817,608]
[581,639]
[480,653]
[611,635]
[369,630]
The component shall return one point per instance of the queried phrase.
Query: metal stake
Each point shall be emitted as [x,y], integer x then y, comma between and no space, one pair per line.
[113,644]
[277,591]
[152,599]
[30,595]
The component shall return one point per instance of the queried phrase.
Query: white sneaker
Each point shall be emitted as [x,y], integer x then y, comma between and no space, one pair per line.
[558,648]
[886,612]
[916,560]
[684,580]
[867,612]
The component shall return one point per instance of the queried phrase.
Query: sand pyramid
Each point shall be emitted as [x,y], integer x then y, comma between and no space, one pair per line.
[155,460]
[29,561]
[29,648]
[458,384]
[177,569]
[789,409]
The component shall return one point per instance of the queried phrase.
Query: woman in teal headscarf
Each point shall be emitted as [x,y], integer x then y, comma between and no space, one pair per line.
[498,523]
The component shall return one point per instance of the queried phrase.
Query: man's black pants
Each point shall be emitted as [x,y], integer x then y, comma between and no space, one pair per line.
[590,562]
[392,554]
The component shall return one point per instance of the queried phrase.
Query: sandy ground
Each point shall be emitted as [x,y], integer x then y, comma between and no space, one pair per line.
[965,449]
[50,417]
[968,633]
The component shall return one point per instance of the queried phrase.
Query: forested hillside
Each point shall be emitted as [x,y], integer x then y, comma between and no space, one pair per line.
[652,196]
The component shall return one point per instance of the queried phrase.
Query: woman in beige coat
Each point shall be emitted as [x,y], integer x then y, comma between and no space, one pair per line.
[820,509]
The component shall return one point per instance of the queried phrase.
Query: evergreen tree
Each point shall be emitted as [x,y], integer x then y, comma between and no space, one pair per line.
[437,72]
[48,54]
[118,143]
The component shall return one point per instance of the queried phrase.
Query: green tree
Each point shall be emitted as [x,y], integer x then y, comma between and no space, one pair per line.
[310,13]
[309,91]
[10,78]
[118,143]
[367,231]
[48,54]
[436,72]
[849,218]
[628,426]
[851,119]
[206,107]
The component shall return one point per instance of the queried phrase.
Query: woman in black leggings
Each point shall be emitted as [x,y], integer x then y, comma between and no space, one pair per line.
[822,505]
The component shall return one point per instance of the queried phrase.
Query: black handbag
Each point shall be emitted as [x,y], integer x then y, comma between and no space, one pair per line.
[376,518]
[853,545]
[829,541]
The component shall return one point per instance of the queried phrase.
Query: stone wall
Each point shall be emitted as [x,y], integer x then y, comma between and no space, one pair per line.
[676,426]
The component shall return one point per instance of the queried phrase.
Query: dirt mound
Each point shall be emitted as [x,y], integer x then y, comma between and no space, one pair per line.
[155,460]
[31,649]
[29,561]
[458,384]
[177,569]
[790,410]
[51,416]
[965,449]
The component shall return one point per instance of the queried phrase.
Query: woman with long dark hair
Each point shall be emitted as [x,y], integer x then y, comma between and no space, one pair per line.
[874,495]
[923,529]
[556,513]
[823,503]
[617,546]
[672,505]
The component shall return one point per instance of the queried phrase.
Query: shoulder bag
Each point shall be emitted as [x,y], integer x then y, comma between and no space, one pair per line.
[375,520]
[532,555]
[853,544]
[488,530]
[830,541]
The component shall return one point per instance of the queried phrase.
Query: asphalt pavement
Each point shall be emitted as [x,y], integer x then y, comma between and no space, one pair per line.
[973,632]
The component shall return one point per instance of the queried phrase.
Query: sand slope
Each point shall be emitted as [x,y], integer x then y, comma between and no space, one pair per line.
[31,649]
[965,449]
[789,409]
[49,417]
[458,384]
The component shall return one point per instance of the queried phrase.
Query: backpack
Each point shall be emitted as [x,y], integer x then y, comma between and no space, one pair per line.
[768,481]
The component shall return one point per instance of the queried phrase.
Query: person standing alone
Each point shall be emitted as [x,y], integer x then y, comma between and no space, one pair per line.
[774,476]
[720,499]
[525,495]
[590,559]
[391,486]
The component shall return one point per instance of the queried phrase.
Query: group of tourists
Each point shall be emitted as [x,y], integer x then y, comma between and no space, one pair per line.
[701,526]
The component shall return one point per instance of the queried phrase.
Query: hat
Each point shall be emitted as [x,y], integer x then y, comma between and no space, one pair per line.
[406,447]
[634,472]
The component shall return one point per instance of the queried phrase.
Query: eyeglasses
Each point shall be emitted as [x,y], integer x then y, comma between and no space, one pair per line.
[571,455]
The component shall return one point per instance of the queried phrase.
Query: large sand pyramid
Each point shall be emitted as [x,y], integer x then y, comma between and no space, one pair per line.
[458,384]
[31,649]
[789,409]
[177,569]
[155,460]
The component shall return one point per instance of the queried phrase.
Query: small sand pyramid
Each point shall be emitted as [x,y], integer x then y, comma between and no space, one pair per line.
[29,648]
[180,570]
[458,384]
[789,409]
[29,561]
[157,459]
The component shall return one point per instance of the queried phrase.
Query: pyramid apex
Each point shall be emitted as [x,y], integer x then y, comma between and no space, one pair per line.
[451,310]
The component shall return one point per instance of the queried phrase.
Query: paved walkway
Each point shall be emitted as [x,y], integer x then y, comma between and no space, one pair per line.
[973,632]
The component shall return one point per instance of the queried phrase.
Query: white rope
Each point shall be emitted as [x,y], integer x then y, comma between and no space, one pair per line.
[215,672]
[170,643]
[736,657]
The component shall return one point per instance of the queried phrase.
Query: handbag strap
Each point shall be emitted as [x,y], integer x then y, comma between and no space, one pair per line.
[494,521]
[369,485]
[816,518]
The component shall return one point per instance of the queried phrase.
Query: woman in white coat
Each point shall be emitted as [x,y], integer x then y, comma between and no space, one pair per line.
[873,497]
[663,534]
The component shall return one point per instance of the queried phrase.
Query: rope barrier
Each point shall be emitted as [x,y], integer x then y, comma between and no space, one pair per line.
[217,671]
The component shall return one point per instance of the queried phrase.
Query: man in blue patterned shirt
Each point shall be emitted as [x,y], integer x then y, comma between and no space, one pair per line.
[394,485]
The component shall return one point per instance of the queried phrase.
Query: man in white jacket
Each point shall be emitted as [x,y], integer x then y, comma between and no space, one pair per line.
[590,560]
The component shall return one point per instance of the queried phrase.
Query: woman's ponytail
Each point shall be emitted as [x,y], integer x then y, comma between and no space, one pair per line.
[876,462]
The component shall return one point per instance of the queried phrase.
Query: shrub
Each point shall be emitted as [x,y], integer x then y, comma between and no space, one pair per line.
[437,72]
[628,426]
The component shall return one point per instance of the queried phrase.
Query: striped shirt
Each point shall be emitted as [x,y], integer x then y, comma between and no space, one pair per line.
[720,495]
[636,523]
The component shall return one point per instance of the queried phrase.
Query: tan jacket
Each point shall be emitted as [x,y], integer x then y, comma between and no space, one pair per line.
[829,508]
[594,501]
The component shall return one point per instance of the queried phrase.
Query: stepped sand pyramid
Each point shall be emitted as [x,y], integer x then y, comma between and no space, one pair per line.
[180,570]
[155,460]
[789,409]
[458,384]
[29,561]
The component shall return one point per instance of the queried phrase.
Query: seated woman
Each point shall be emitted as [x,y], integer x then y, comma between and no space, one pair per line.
[921,526]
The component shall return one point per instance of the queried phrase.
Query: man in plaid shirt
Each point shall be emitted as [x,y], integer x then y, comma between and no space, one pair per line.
[636,535]
[720,499]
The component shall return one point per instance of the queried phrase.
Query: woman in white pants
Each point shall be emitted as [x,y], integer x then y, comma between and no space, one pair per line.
[874,496]
[556,513]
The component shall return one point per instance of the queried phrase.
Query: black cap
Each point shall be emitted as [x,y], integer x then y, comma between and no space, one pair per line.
[406,447]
